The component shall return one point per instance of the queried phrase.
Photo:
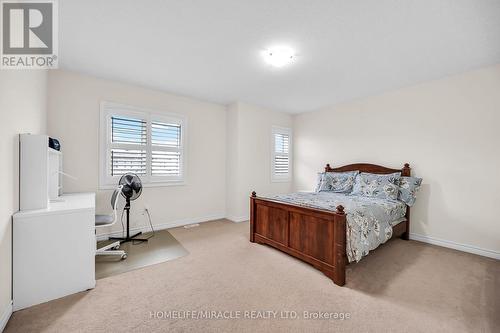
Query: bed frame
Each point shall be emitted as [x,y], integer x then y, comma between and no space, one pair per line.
[315,236]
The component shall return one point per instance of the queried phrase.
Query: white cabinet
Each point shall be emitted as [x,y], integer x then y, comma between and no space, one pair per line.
[40,172]
[53,250]
[33,173]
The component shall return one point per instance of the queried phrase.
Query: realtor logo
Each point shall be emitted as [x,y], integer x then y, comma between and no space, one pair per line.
[29,34]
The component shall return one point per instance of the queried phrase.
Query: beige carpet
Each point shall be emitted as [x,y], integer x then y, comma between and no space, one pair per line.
[401,287]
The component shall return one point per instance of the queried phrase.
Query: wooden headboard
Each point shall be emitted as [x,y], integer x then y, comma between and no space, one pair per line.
[371,168]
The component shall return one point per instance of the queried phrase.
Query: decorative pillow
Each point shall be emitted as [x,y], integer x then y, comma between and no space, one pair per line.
[378,186]
[338,182]
[408,188]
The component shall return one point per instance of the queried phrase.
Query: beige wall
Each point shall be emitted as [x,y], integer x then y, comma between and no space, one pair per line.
[74,102]
[249,156]
[447,129]
[23,109]
[234,210]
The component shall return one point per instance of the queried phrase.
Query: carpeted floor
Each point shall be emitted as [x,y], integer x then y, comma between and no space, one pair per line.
[402,286]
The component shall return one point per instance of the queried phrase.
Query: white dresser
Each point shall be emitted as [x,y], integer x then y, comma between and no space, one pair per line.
[53,250]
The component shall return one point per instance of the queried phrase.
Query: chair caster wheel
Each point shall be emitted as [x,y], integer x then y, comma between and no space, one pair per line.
[124,256]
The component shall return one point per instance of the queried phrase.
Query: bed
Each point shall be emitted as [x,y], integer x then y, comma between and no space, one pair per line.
[314,228]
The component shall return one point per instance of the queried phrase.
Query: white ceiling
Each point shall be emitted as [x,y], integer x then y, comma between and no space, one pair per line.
[211,49]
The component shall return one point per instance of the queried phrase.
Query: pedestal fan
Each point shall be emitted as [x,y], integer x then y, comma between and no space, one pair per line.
[132,189]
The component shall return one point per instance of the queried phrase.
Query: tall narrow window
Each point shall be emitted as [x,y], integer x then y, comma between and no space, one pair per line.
[281,157]
[138,141]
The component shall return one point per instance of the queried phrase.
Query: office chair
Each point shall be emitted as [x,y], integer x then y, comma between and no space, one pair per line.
[109,220]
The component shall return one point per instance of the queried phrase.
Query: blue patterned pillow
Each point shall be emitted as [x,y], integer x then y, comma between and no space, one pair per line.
[338,182]
[408,188]
[377,186]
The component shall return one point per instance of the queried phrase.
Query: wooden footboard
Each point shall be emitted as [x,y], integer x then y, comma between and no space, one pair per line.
[315,236]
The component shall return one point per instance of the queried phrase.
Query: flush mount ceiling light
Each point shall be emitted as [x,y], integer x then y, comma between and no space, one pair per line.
[279,56]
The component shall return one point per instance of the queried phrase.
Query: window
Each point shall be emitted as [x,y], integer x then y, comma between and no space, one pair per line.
[281,153]
[139,141]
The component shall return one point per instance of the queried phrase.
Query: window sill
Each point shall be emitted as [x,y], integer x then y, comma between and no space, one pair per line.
[146,185]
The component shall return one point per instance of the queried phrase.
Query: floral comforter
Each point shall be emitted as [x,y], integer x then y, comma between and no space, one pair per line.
[369,220]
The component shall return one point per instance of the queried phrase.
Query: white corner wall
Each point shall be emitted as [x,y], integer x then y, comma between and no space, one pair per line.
[23,107]
[234,196]
[249,149]
[448,130]
[73,118]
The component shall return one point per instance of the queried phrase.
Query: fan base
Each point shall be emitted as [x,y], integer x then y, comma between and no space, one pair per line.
[129,238]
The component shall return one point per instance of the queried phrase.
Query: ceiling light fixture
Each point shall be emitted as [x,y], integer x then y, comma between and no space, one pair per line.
[279,56]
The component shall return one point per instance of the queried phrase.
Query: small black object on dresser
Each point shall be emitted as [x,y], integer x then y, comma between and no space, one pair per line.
[54,144]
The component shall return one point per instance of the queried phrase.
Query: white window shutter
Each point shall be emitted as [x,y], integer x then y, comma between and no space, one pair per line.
[281,157]
[128,146]
[166,159]
[125,160]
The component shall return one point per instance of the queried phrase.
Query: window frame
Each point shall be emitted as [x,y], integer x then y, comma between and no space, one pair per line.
[109,109]
[280,178]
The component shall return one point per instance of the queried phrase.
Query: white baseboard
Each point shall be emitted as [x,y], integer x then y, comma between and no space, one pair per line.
[238,218]
[7,312]
[456,246]
[162,226]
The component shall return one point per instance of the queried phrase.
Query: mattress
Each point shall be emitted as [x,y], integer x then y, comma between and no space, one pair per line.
[369,220]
